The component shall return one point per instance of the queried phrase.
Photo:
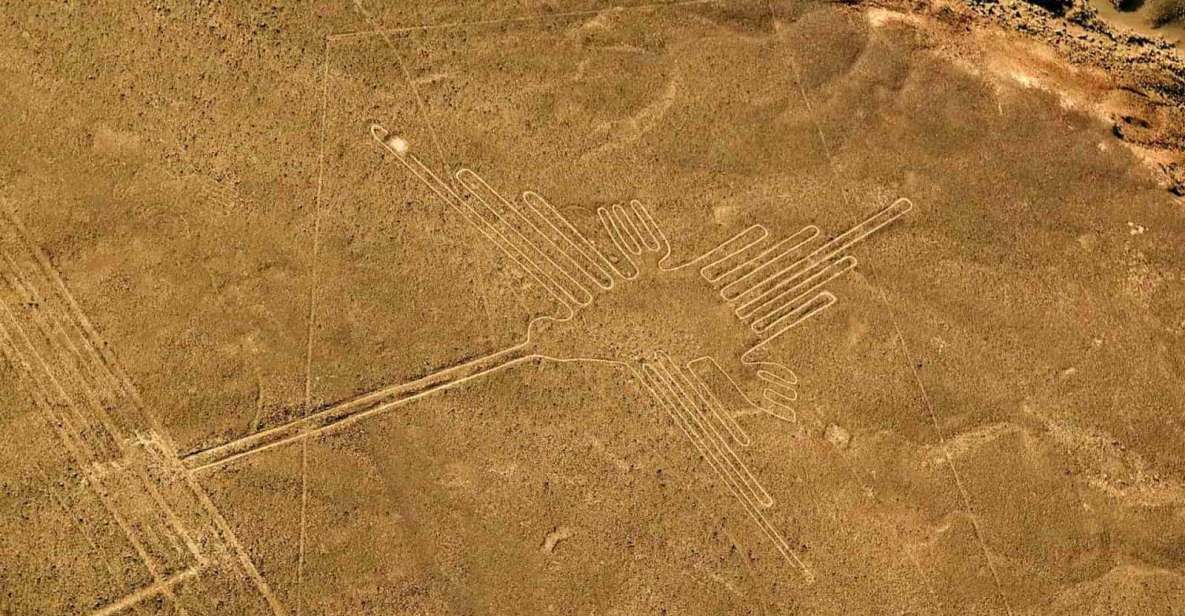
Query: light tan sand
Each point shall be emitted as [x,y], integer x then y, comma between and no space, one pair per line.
[560,308]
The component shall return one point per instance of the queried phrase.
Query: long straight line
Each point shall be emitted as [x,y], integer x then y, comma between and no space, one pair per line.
[946,454]
[54,317]
[308,365]
[507,20]
[120,378]
[43,396]
[893,318]
[421,108]
[164,586]
[905,349]
[351,411]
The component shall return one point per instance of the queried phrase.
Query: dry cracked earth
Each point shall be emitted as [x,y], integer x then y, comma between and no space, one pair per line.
[537,307]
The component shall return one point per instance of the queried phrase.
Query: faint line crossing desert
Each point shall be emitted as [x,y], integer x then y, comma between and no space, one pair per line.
[101,422]
[373,374]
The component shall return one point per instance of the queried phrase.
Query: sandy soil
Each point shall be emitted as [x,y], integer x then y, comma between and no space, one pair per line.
[1157,19]
[567,308]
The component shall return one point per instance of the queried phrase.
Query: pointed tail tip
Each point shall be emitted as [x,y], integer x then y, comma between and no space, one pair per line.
[394,142]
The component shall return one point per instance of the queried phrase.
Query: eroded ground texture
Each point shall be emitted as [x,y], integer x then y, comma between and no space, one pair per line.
[540,307]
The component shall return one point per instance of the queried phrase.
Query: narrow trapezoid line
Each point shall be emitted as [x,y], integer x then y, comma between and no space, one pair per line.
[350,411]
[52,327]
[40,393]
[61,316]
[74,312]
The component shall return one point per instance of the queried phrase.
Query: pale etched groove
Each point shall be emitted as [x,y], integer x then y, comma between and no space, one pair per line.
[574,238]
[796,317]
[519,234]
[741,269]
[227,536]
[773,299]
[667,398]
[629,231]
[722,416]
[97,424]
[76,521]
[86,333]
[732,462]
[68,371]
[743,273]
[343,414]
[24,283]
[104,363]
[473,217]
[763,316]
[561,249]
[78,452]
[311,328]
[145,461]
[831,249]
[715,263]
[386,32]
[934,420]
[545,267]
[161,587]
[39,391]
[165,473]
[651,235]
[91,338]
[25,356]
[150,525]
[609,222]
[615,235]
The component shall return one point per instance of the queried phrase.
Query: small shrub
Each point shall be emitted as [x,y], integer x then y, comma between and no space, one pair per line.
[1165,12]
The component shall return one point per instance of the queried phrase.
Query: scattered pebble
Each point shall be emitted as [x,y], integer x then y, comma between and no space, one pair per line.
[837,436]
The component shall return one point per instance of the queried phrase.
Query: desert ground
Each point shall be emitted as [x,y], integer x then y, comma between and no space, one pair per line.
[589,307]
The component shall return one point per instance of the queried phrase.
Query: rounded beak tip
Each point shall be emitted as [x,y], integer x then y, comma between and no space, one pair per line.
[394,142]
